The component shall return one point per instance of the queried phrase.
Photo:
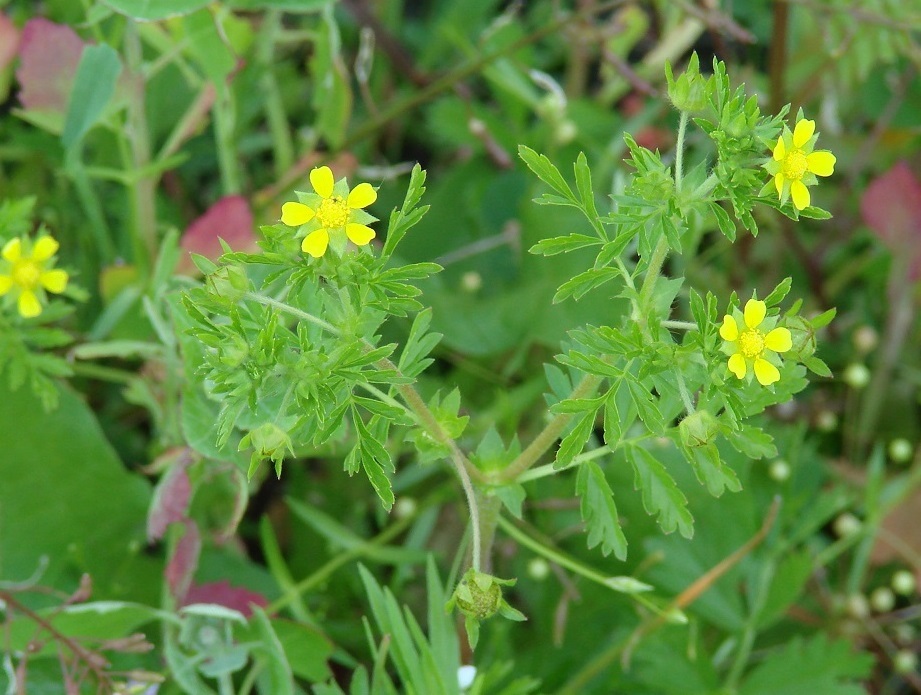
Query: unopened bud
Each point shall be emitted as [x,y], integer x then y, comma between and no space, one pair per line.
[900,450]
[856,375]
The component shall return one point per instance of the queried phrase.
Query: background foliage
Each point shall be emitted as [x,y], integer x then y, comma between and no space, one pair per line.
[145,546]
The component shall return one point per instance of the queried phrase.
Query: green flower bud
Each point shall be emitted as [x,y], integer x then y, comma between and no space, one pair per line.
[229,282]
[269,441]
[882,599]
[689,91]
[903,582]
[905,661]
[698,429]
[479,597]
[900,450]
[856,375]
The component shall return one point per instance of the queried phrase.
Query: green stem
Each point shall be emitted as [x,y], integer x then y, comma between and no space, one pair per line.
[143,192]
[680,325]
[679,151]
[321,575]
[282,144]
[225,684]
[426,418]
[549,435]
[227,159]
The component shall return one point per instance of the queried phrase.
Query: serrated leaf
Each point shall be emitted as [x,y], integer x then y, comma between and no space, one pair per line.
[563,244]
[661,495]
[583,283]
[710,469]
[754,442]
[646,406]
[815,666]
[723,221]
[544,169]
[574,442]
[778,293]
[599,511]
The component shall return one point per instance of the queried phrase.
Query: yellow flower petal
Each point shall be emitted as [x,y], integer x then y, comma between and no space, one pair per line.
[802,132]
[755,311]
[765,372]
[6,284]
[778,340]
[780,150]
[322,181]
[315,243]
[778,183]
[29,306]
[13,250]
[362,196]
[800,195]
[359,234]
[53,280]
[821,163]
[45,247]
[730,329]
[737,366]
[296,214]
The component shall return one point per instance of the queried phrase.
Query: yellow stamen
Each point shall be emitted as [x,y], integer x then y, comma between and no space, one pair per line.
[26,274]
[794,165]
[333,213]
[751,344]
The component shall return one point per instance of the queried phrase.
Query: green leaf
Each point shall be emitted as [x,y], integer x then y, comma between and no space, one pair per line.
[724,221]
[94,85]
[815,213]
[785,588]
[280,676]
[584,282]
[546,171]
[574,442]
[778,293]
[817,366]
[815,666]
[646,406]
[824,318]
[332,95]
[563,244]
[584,185]
[754,442]
[710,469]
[209,47]
[661,495]
[66,495]
[302,6]
[599,511]
[153,10]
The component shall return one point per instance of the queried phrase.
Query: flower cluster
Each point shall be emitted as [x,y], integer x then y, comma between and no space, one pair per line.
[796,163]
[752,345]
[27,272]
[331,210]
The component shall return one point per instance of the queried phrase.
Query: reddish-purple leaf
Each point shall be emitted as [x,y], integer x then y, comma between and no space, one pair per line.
[170,503]
[182,565]
[223,594]
[229,219]
[891,207]
[9,41]
[48,57]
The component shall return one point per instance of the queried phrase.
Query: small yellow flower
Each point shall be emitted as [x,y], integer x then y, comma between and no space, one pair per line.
[753,345]
[333,207]
[795,165]
[25,272]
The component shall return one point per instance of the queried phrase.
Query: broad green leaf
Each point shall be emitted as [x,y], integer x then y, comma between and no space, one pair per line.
[815,666]
[94,85]
[599,511]
[152,10]
[209,47]
[661,495]
[65,495]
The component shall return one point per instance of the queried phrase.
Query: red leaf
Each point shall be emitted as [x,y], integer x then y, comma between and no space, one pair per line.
[9,41]
[229,219]
[891,207]
[48,58]
[223,594]
[171,497]
[182,565]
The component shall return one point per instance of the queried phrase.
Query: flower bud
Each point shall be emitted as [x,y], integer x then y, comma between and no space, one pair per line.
[903,582]
[689,91]
[905,661]
[882,599]
[900,450]
[865,339]
[698,429]
[847,525]
[856,375]
[269,441]
[229,282]
[478,595]
[779,470]
[538,568]
[857,606]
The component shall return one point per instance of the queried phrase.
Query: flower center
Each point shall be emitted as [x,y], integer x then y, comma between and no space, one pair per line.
[26,274]
[794,165]
[333,212]
[751,344]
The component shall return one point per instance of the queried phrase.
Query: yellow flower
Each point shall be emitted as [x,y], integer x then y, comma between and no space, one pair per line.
[795,165]
[27,275]
[752,346]
[332,208]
